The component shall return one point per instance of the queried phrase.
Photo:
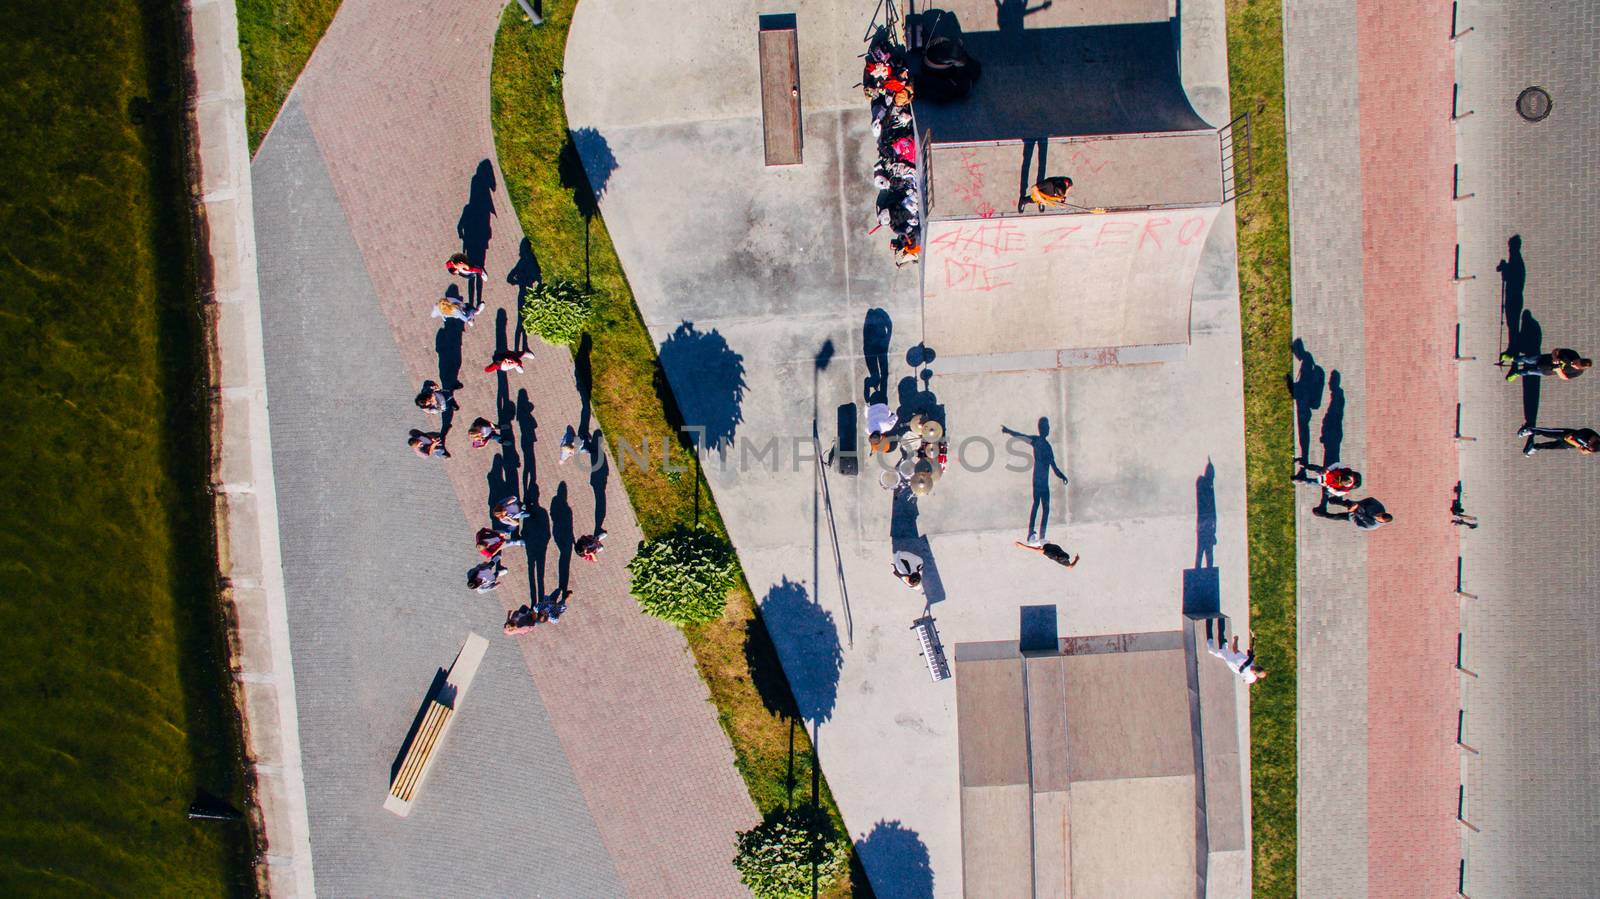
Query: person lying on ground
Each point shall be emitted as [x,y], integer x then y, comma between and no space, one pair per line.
[510,360]
[1561,362]
[590,545]
[1368,514]
[485,577]
[520,621]
[1336,480]
[1052,552]
[1050,192]
[1242,663]
[908,568]
[428,444]
[483,433]
[458,265]
[1584,440]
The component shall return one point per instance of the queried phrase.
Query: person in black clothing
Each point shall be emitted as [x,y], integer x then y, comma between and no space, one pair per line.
[1052,552]
[1560,363]
[1368,514]
[1584,440]
[1048,192]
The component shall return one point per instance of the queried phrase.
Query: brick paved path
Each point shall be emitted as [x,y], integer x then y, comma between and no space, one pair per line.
[395,104]
[1370,149]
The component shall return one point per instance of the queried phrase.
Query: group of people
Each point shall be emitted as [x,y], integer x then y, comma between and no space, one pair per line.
[507,514]
[886,81]
[1337,483]
[1562,364]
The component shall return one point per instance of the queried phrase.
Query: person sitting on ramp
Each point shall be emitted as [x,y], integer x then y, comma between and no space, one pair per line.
[1050,192]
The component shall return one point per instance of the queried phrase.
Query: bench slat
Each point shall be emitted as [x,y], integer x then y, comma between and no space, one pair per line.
[422,746]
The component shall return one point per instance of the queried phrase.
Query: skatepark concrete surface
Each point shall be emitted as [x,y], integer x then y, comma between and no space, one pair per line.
[756,284]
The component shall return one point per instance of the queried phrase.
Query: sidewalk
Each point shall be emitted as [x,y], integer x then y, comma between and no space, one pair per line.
[589,761]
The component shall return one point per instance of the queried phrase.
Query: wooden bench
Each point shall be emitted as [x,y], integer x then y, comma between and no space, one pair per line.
[780,90]
[422,748]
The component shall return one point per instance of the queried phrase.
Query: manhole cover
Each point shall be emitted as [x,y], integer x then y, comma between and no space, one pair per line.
[1534,104]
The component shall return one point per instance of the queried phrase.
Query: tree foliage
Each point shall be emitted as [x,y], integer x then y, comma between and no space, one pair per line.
[684,576]
[783,855]
[557,311]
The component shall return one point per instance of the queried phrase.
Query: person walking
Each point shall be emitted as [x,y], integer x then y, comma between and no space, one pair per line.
[1561,363]
[1336,480]
[509,512]
[1242,663]
[435,400]
[1052,552]
[509,360]
[1368,514]
[908,568]
[590,545]
[459,266]
[490,542]
[483,433]
[485,577]
[1051,192]
[569,445]
[1584,440]
[457,308]
[428,444]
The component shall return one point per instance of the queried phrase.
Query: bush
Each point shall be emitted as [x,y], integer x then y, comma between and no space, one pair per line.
[557,311]
[776,858]
[684,575]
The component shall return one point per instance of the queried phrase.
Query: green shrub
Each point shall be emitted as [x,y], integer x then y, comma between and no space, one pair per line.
[557,311]
[779,857]
[684,576]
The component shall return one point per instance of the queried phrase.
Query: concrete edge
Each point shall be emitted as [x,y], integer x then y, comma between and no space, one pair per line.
[248,550]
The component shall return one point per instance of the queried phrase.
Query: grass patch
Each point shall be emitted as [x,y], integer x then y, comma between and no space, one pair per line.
[276,38]
[115,705]
[545,182]
[1255,63]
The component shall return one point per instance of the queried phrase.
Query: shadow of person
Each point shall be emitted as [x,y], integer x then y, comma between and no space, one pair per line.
[1513,279]
[583,379]
[584,165]
[1306,388]
[599,475]
[1044,465]
[1530,341]
[704,384]
[561,535]
[527,434]
[876,332]
[810,645]
[1011,15]
[905,536]
[447,344]
[900,859]
[1205,518]
[1027,179]
[1332,437]
[474,227]
[525,275]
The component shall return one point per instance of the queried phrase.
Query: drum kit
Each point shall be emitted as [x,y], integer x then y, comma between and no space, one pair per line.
[923,458]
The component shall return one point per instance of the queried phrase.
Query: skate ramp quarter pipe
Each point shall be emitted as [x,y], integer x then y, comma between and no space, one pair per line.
[1018,284]
[1006,15]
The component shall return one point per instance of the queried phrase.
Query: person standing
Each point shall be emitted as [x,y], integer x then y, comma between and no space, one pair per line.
[455,307]
[1052,552]
[1051,192]
[590,545]
[485,577]
[1336,480]
[509,360]
[1368,514]
[1584,440]
[483,433]
[569,445]
[490,542]
[1561,363]
[459,266]
[509,512]
[428,444]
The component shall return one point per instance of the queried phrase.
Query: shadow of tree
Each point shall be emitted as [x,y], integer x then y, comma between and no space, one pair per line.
[815,657]
[900,859]
[585,165]
[705,386]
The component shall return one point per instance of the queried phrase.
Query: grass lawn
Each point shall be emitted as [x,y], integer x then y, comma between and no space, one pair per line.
[276,38]
[545,182]
[114,701]
[1255,62]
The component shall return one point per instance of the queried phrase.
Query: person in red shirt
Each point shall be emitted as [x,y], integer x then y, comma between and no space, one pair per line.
[1337,480]
[459,266]
[589,546]
[510,360]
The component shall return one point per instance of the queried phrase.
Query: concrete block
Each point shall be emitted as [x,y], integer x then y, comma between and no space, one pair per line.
[232,334]
[228,271]
[242,558]
[237,457]
[265,740]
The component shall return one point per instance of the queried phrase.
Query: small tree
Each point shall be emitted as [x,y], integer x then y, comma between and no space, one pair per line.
[684,575]
[777,857]
[557,311]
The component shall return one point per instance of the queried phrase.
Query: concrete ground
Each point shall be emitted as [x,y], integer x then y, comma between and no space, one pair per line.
[1531,789]
[757,284]
[587,760]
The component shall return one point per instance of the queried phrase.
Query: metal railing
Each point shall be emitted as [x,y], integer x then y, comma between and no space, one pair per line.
[1237,180]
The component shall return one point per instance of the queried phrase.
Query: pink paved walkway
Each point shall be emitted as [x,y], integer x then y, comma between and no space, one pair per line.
[397,95]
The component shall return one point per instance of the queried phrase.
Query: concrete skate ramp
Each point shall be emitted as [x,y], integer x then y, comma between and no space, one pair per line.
[1006,15]
[1061,282]
[1180,168]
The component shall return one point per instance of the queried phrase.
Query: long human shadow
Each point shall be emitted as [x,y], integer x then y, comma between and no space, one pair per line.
[524,275]
[584,165]
[1513,281]
[447,344]
[704,385]
[1332,435]
[583,379]
[504,477]
[536,527]
[1031,176]
[900,859]
[561,534]
[599,475]
[905,535]
[1305,386]
[1202,586]
[475,226]
[876,333]
[1044,465]
[1530,341]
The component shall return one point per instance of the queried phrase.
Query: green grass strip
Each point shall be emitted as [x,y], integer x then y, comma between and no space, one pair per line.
[115,705]
[276,38]
[1255,64]
[545,182]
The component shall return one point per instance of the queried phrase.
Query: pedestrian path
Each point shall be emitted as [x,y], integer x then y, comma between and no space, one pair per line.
[589,760]
[1373,234]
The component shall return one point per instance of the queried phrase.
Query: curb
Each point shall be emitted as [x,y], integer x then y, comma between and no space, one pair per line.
[248,552]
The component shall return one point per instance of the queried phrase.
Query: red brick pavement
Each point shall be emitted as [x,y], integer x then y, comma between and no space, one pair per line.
[1407,149]
[397,95]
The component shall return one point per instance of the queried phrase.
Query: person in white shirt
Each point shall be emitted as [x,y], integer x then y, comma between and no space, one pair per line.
[880,421]
[1242,663]
[908,568]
